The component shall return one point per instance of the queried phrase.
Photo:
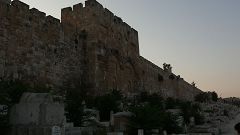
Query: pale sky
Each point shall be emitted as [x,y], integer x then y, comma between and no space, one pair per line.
[199,38]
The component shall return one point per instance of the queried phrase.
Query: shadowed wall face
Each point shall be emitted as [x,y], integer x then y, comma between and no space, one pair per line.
[35,49]
[90,46]
[6,1]
[199,38]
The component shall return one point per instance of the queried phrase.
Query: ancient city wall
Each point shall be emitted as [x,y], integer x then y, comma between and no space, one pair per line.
[102,26]
[89,45]
[115,45]
[157,80]
[35,48]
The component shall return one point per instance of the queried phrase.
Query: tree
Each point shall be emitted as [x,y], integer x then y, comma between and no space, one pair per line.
[193,84]
[202,97]
[191,110]
[206,97]
[171,124]
[214,96]
[107,103]
[172,103]
[150,117]
[11,91]
[167,67]
[74,108]
[153,99]
[156,100]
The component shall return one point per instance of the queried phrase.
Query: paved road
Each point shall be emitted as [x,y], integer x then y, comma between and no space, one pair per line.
[228,128]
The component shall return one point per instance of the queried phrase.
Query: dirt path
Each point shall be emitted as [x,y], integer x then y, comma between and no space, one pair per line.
[228,128]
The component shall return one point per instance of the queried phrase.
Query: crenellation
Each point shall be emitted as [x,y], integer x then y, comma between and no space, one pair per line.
[93,4]
[37,14]
[52,20]
[4,8]
[20,5]
[108,13]
[77,8]
[102,16]
[135,31]
[149,62]
[134,34]
[126,27]
[5,1]
[118,20]
[66,14]
[66,10]
[90,44]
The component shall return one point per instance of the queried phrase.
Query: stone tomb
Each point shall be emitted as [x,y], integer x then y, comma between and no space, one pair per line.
[37,114]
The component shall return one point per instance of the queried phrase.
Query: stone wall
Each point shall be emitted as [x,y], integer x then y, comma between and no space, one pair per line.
[157,80]
[90,45]
[113,45]
[36,114]
[6,1]
[34,47]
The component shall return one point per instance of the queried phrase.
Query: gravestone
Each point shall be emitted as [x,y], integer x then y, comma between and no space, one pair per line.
[56,130]
[140,132]
[37,114]
[3,110]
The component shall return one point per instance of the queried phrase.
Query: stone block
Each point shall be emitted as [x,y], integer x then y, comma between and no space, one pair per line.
[6,1]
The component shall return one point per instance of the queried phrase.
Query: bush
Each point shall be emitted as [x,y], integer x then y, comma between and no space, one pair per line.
[203,97]
[192,110]
[214,96]
[206,97]
[150,117]
[107,103]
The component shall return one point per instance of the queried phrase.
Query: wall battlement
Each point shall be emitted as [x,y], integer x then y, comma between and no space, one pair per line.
[20,5]
[90,46]
[69,14]
[95,12]
[21,9]
[5,1]
[37,14]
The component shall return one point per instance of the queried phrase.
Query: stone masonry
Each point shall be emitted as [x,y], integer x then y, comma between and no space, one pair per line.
[37,114]
[90,45]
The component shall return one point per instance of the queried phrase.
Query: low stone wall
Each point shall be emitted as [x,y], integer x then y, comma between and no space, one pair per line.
[200,134]
[115,133]
[26,130]
[37,114]
[84,131]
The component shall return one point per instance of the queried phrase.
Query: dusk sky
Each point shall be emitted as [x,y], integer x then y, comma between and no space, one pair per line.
[199,38]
